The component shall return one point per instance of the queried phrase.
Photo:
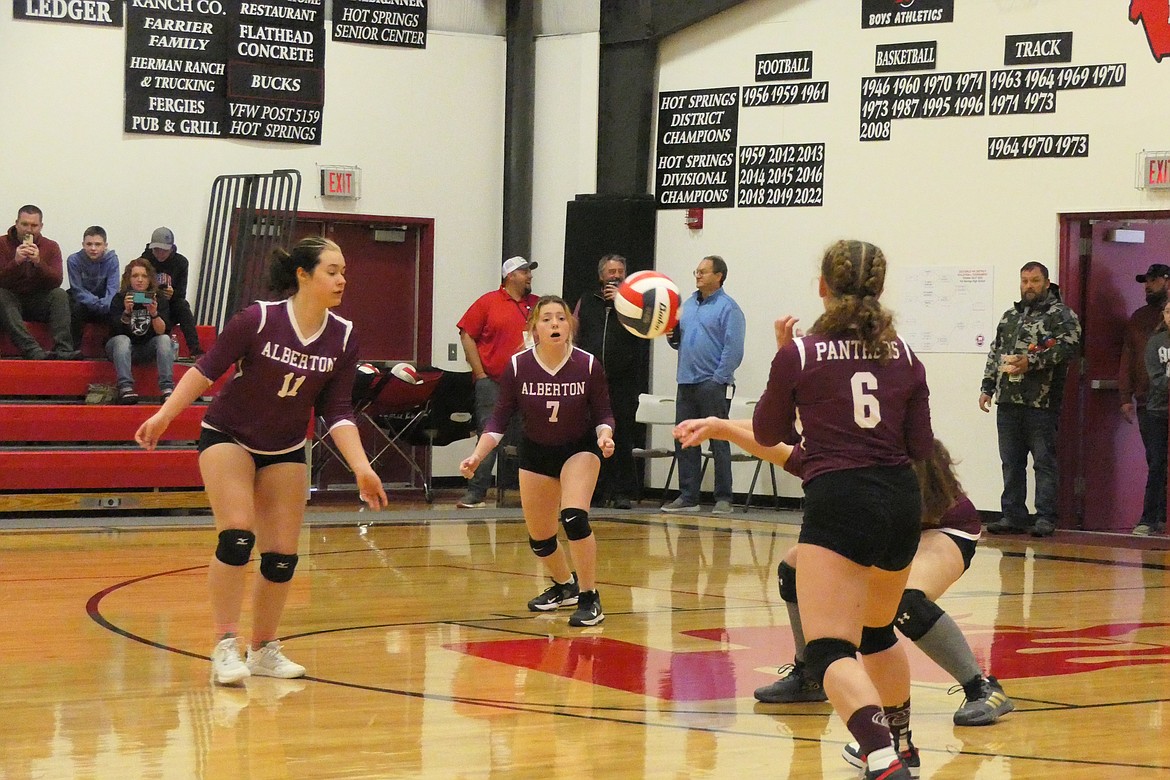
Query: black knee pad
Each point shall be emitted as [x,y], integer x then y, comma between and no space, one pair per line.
[543,547]
[820,654]
[875,640]
[277,567]
[576,523]
[916,614]
[235,546]
[786,575]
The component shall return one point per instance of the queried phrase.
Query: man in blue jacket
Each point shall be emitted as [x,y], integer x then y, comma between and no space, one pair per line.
[93,280]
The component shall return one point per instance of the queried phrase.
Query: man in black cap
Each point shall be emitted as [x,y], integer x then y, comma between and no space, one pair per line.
[171,269]
[1133,382]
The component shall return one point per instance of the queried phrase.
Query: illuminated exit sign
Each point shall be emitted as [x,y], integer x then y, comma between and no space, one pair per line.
[1154,170]
[341,181]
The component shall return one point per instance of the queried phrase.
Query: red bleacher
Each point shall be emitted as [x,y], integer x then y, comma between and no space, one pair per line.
[58,453]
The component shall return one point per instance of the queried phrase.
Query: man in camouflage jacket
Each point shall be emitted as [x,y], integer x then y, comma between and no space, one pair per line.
[1035,341]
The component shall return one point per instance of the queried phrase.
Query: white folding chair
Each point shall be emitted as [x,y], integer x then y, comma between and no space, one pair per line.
[742,409]
[655,410]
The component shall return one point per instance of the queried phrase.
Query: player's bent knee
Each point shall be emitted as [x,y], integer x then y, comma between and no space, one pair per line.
[822,653]
[875,640]
[576,523]
[543,547]
[916,614]
[277,567]
[235,546]
[786,575]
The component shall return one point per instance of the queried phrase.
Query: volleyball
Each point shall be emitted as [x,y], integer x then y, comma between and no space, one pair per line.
[647,304]
[406,372]
[366,374]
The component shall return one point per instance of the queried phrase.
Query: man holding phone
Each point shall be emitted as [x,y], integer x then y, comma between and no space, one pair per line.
[171,268]
[626,360]
[30,287]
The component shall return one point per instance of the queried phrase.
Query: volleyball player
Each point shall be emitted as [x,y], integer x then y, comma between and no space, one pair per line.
[290,356]
[951,529]
[864,409]
[560,392]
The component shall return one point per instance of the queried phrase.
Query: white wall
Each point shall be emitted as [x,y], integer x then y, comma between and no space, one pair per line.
[929,196]
[425,127]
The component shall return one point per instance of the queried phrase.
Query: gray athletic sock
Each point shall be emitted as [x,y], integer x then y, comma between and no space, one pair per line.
[797,630]
[945,644]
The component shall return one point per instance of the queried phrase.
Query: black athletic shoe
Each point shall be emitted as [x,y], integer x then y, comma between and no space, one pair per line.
[588,610]
[991,705]
[1005,526]
[556,595]
[793,686]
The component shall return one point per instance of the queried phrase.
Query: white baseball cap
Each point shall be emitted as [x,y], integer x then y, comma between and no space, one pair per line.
[516,263]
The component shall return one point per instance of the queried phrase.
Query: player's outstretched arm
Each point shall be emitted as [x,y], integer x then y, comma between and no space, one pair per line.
[192,385]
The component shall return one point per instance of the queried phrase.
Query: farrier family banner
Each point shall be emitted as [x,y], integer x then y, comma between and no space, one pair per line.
[231,69]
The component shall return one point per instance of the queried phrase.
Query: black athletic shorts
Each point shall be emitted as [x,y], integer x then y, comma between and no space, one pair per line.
[872,516]
[549,459]
[966,547]
[210,436]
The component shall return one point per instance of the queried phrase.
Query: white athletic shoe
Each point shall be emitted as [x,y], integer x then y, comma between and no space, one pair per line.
[269,661]
[227,667]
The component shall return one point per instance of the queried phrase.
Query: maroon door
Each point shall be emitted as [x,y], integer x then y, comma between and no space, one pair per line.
[388,290]
[1104,451]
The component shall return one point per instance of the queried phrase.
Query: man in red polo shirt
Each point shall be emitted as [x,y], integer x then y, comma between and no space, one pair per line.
[493,330]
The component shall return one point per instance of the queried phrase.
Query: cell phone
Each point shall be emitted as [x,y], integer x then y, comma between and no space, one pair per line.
[141,297]
[28,238]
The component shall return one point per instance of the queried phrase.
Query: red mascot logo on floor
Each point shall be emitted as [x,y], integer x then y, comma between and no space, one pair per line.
[1155,18]
[744,658]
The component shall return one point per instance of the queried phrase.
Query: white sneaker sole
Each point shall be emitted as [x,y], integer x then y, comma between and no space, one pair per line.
[586,623]
[230,678]
[289,675]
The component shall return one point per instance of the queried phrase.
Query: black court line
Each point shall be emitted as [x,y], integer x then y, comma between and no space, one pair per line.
[93,609]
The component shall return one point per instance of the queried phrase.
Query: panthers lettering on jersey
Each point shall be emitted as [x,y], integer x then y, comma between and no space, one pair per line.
[559,404]
[281,376]
[855,411]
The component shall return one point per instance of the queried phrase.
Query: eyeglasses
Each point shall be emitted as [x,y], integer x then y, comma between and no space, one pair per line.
[700,274]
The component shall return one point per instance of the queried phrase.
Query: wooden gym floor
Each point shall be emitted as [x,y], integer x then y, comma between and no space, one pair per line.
[424,662]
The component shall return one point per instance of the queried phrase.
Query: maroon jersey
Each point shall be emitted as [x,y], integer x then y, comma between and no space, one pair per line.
[854,411]
[962,520]
[280,376]
[559,404]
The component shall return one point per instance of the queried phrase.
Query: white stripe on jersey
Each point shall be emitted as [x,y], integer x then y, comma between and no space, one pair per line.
[800,349]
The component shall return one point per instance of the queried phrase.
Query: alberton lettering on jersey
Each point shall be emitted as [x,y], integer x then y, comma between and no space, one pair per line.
[855,411]
[281,377]
[559,404]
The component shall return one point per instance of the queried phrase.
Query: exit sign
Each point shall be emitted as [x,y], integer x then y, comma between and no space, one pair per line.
[341,181]
[1154,170]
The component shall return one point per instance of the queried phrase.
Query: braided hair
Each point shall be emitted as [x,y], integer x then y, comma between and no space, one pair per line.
[855,274]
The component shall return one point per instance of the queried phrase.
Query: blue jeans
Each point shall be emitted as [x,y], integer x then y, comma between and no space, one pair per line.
[123,354]
[1154,437]
[705,399]
[487,390]
[1023,431]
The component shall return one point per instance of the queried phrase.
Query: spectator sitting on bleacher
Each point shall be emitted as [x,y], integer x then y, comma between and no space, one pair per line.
[93,281]
[30,287]
[138,331]
[171,270]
